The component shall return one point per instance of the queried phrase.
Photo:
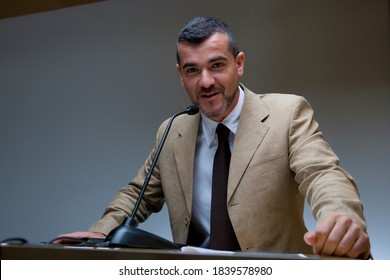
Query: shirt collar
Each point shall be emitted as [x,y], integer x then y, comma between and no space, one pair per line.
[231,121]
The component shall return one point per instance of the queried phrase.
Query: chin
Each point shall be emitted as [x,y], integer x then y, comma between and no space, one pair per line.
[214,115]
[212,111]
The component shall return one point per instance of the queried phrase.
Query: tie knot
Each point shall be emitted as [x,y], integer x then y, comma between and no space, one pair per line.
[222,133]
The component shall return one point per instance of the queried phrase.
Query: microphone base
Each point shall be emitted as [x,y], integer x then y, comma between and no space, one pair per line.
[131,237]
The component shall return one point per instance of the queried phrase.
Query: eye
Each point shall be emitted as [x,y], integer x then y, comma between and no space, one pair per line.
[217,65]
[191,70]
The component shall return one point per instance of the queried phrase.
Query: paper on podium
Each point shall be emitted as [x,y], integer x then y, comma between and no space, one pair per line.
[193,249]
[270,255]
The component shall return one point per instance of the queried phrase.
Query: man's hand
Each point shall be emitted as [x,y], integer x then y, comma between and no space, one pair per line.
[338,235]
[79,235]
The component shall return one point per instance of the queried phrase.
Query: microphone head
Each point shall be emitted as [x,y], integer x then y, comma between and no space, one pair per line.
[192,110]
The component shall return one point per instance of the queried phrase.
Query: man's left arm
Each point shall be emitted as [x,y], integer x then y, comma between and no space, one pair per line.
[331,192]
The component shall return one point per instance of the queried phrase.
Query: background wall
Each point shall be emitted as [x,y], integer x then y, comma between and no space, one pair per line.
[83,90]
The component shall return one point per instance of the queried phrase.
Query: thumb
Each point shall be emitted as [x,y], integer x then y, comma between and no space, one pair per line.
[310,238]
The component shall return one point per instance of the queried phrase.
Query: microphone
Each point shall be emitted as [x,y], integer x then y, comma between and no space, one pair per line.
[191,110]
[127,235]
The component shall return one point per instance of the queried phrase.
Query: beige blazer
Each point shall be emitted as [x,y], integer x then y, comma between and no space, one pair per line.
[279,158]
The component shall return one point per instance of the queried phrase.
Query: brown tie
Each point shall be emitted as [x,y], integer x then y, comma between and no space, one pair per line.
[222,236]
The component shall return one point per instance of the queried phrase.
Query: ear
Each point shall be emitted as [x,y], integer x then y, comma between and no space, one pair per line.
[181,78]
[240,59]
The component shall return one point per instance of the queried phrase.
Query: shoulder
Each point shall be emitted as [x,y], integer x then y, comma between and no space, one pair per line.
[276,98]
[275,103]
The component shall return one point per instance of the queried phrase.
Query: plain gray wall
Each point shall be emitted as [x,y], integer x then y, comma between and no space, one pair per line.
[83,90]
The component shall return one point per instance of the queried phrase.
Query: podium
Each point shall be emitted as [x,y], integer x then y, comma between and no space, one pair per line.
[62,252]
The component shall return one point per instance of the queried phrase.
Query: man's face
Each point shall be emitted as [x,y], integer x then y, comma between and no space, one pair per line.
[210,74]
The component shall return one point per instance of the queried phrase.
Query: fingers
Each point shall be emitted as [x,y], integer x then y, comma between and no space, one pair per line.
[310,238]
[339,236]
[348,241]
[67,237]
[361,248]
[77,235]
[334,230]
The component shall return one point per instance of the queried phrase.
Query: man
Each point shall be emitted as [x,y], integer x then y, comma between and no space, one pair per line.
[278,158]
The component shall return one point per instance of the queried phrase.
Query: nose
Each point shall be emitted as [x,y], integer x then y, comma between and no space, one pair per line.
[206,80]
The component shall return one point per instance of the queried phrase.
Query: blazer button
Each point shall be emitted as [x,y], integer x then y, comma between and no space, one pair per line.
[186,220]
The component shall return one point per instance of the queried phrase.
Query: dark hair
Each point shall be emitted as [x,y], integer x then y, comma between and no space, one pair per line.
[201,28]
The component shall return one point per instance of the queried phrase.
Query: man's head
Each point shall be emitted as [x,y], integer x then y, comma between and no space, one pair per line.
[210,65]
[201,28]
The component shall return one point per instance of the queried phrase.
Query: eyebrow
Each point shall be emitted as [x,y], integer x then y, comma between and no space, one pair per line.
[211,60]
[220,57]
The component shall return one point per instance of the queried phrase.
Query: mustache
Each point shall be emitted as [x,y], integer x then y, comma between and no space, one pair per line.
[203,90]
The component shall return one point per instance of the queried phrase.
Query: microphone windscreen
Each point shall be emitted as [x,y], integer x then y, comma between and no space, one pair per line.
[192,110]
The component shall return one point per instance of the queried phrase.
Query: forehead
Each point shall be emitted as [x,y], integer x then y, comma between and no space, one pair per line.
[215,45]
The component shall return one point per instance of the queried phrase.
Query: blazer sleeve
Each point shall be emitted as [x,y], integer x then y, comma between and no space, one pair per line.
[326,186]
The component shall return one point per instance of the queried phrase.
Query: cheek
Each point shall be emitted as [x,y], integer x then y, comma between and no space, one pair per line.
[189,84]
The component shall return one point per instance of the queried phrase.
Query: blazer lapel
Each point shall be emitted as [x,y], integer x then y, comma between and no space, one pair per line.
[250,133]
[184,151]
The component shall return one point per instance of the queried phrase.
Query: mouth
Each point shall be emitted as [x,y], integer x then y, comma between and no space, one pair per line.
[208,95]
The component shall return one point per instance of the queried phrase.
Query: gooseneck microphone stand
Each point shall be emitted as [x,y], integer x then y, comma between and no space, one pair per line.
[127,235]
